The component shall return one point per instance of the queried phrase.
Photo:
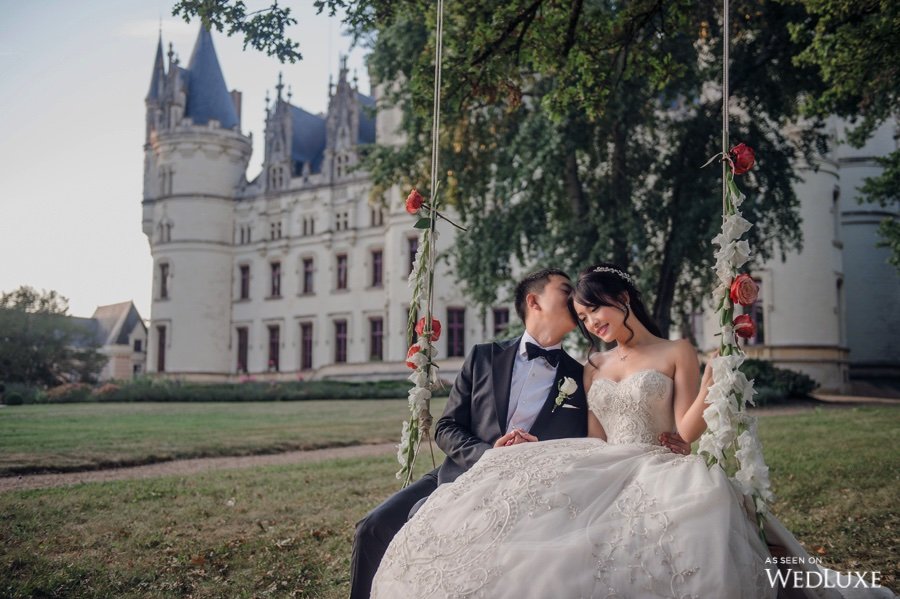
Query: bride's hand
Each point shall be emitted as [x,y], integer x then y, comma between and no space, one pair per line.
[524,437]
[506,439]
[675,443]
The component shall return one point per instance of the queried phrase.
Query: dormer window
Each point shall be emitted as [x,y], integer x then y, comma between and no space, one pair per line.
[275,230]
[276,177]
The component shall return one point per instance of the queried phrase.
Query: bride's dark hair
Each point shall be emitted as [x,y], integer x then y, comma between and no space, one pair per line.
[606,288]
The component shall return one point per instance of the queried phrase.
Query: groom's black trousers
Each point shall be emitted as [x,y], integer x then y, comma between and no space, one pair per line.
[375,531]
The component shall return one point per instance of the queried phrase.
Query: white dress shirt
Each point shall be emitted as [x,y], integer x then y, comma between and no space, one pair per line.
[531,383]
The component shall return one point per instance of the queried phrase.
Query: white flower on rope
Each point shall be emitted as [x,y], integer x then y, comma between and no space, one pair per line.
[731,439]
[421,355]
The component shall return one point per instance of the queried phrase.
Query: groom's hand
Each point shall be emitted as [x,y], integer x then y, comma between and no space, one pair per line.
[514,437]
[675,443]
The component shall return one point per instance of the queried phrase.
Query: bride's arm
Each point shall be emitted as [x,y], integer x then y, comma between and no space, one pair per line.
[689,403]
[595,429]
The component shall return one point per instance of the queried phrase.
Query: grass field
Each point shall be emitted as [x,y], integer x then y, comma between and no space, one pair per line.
[61,437]
[286,531]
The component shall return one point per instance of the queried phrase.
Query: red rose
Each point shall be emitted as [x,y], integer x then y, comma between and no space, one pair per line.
[412,351]
[744,327]
[435,328]
[742,158]
[744,290]
[414,201]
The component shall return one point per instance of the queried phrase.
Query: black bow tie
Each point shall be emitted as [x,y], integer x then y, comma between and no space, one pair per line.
[551,355]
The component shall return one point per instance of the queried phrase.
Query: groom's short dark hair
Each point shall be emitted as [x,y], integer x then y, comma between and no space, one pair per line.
[534,283]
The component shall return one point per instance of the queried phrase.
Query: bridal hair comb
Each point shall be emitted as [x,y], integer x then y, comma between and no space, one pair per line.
[616,271]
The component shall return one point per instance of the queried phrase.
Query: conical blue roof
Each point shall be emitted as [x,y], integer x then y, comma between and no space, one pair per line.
[158,73]
[207,94]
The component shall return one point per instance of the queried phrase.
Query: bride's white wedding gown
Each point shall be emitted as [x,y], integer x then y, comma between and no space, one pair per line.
[585,518]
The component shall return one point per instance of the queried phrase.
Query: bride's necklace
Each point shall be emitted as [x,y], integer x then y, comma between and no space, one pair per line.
[621,355]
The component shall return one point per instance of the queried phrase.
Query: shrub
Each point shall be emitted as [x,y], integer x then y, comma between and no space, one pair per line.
[13,398]
[774,384]
[69,393]
[105,389]
[16,394]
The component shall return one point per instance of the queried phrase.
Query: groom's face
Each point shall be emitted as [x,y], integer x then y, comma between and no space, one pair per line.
[553,306]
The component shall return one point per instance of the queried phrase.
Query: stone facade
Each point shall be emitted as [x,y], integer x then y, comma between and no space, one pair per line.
[295,275]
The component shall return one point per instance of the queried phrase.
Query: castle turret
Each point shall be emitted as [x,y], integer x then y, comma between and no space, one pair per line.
[349,124]
[195,161]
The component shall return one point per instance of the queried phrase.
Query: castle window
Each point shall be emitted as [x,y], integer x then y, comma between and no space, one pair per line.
[276,177]
[340,341]
[377,216]
[456,332]
[757,314]
[342,271]
[245,281]
[501,321]
[376,339]
[160,348]
[306,345]
[377,267]
[138,345]
[275,230]
[412,244]
[164,280]
[274,347]
[166,174]
[308,274]
[243,338]
[275,279]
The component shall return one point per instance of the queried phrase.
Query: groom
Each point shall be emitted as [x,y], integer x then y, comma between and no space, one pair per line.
[504,395]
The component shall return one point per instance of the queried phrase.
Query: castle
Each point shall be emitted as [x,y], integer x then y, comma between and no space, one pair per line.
[295,275]
[292,274]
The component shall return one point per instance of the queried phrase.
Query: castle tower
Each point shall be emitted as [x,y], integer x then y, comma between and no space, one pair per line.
[347,126]
[195,161]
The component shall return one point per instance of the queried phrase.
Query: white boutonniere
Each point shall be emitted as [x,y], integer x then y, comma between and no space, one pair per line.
[567,387]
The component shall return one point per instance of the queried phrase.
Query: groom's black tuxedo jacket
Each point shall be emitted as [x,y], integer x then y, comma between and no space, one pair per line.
[477,409]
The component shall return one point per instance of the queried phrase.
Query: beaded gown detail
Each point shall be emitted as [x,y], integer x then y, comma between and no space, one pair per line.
[584,517]
[587,518]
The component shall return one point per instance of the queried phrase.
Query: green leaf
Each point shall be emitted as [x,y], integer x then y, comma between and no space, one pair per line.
[423,223]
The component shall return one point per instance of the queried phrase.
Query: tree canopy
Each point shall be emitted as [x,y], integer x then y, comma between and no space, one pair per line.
[40,344]
[854,45]
[574,133]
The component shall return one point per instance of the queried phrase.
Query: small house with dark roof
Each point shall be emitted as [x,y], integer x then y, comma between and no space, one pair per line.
[119,333]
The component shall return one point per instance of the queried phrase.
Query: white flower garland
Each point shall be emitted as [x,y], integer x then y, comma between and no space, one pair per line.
[731,439]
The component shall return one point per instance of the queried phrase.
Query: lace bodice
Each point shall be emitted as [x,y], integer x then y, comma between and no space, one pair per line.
[636,409]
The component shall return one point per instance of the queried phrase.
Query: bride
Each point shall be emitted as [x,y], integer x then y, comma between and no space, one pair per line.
[610,515]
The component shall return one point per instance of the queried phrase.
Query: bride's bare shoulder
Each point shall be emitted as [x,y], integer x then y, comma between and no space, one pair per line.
[596,361]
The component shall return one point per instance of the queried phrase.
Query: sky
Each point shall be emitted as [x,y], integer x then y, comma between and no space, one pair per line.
[73,78]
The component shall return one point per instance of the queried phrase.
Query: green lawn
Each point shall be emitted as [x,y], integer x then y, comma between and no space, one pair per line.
[286,531]
[64,437]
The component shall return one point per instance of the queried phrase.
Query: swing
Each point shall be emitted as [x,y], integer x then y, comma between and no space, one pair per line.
[733,444]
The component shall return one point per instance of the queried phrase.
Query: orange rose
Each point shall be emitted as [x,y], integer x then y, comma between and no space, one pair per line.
[435,328]
[414,201]
[744,290]
[412,351]
[742,157]
[744,327]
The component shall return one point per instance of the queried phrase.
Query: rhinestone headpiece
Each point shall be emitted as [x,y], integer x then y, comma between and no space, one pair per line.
[617,272]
